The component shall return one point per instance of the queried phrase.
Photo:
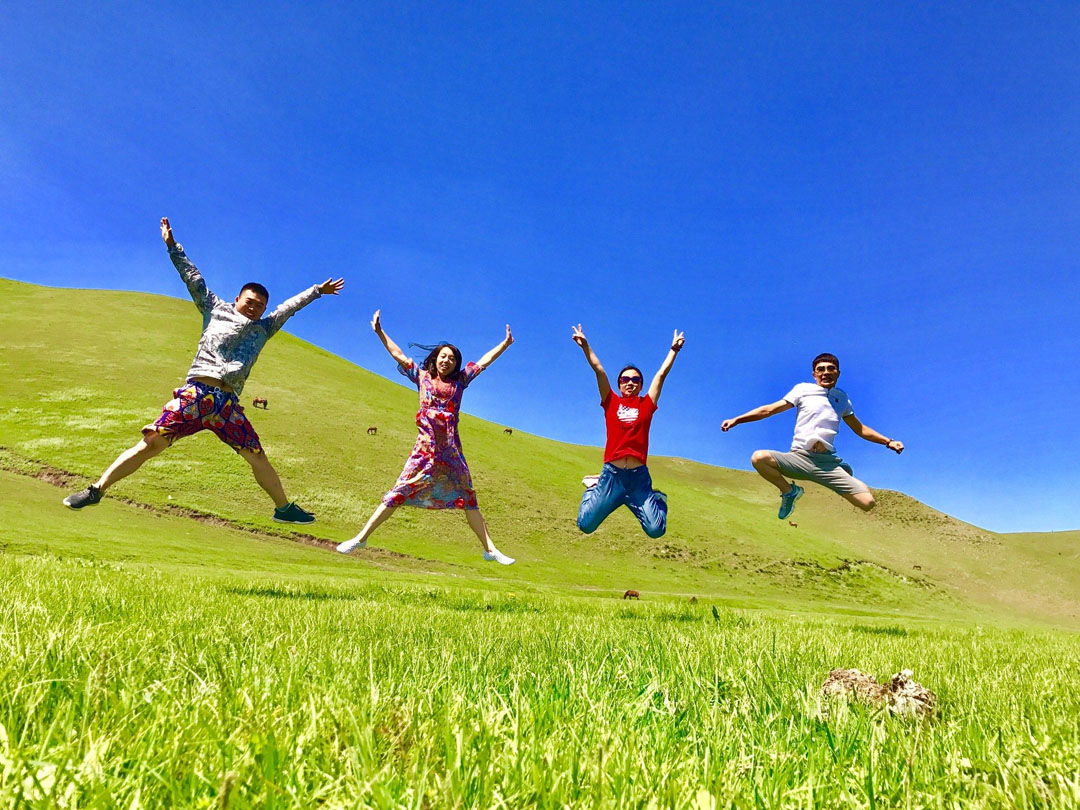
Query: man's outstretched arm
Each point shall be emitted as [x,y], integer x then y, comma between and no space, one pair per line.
[602,382]
[203,298]
[287,309]
[764,412]
[657,386]
[871,435]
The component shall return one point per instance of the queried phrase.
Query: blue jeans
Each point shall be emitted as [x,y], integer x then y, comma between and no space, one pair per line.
[630,488]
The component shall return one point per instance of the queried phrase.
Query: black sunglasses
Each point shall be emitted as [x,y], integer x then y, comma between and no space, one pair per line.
[626,378]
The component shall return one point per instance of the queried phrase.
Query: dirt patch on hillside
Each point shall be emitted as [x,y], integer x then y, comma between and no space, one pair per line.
[846,568]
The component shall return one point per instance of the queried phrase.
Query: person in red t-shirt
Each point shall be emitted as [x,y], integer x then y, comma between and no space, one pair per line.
[625,480]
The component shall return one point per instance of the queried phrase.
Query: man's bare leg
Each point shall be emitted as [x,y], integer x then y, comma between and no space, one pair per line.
[378,517]
[266,475]
[768,469]
[131,459]
[863,500]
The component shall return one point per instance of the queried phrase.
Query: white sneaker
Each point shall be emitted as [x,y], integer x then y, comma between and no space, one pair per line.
[349,545]
[499,557]
[590,481]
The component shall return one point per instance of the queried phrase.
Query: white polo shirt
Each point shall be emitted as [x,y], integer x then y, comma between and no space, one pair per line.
[819,413]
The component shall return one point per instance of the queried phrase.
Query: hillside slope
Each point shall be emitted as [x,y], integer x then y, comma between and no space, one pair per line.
[84,370]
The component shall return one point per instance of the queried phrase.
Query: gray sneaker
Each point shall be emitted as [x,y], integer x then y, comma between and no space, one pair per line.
[291,513]
[88,497]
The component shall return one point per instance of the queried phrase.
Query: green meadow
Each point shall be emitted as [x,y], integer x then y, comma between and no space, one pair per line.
[173,647]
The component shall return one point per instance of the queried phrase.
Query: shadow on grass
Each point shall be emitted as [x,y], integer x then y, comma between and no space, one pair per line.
[880,630]
[291,592]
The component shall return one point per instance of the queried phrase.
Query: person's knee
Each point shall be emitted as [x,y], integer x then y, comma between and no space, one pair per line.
[655,529]
[153,443]
[256,458]
[865,501]
[587,523]
[763,458]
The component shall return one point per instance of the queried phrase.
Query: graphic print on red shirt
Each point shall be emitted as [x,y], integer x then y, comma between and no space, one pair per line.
[628,420]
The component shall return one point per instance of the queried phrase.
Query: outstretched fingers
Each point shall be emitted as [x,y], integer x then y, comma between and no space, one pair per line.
[331,287]
[376,325]
[577,335]
[677,340]
[166,231]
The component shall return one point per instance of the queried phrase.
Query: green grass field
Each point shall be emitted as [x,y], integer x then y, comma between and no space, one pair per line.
[173,647]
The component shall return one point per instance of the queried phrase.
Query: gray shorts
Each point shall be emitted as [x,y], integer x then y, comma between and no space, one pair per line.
[827,469]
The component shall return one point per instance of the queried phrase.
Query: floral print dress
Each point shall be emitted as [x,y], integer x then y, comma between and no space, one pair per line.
[436,475]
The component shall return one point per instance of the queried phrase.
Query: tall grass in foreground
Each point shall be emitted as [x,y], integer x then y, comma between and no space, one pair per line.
[124,687]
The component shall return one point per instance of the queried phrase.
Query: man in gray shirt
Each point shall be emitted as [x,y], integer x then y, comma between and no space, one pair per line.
[821,406]
[232,337]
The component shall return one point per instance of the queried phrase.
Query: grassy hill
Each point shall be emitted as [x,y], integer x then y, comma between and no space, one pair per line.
[84,370]
[172,647]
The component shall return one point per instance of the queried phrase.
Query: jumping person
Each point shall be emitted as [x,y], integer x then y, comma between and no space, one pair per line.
[625,480]
[436,475]
[233,334]
[821,406]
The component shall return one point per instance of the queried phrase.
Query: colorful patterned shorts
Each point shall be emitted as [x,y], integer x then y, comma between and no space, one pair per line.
[196,407]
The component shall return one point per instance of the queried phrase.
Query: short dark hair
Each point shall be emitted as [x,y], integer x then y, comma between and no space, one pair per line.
[629,366]
[825,356]
[256,288]
[429,362]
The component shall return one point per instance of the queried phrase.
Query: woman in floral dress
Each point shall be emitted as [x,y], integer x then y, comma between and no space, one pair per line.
[436,475]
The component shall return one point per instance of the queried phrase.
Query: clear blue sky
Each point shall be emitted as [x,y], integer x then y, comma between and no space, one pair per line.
[895,184]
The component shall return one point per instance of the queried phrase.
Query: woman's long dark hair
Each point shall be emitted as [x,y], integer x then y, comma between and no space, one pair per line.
[428,363]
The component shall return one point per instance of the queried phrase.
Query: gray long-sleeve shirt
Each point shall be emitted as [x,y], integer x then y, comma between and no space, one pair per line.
[230,342]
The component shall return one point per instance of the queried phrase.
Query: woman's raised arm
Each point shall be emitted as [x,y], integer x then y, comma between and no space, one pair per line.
[395,352]
[494,353]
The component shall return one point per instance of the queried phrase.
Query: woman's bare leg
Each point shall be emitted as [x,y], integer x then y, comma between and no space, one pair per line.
[479,526]
[378,517]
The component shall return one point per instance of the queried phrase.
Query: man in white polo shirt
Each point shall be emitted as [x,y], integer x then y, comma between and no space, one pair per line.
[821,406]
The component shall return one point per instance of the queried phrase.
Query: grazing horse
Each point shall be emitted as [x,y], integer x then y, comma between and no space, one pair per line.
[508,431]
[796,525]
[631,595]
[371,431]
[255,403]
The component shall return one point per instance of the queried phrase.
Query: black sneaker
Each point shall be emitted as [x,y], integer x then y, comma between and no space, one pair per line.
[88,497]
[291,513]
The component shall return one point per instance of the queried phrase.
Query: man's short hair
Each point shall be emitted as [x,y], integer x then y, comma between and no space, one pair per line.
[256,288]
[825,356]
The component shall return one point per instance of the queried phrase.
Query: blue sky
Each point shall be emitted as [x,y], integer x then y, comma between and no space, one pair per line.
[898,185]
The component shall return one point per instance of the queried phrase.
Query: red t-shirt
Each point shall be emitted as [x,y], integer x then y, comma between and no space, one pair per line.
[628,420]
